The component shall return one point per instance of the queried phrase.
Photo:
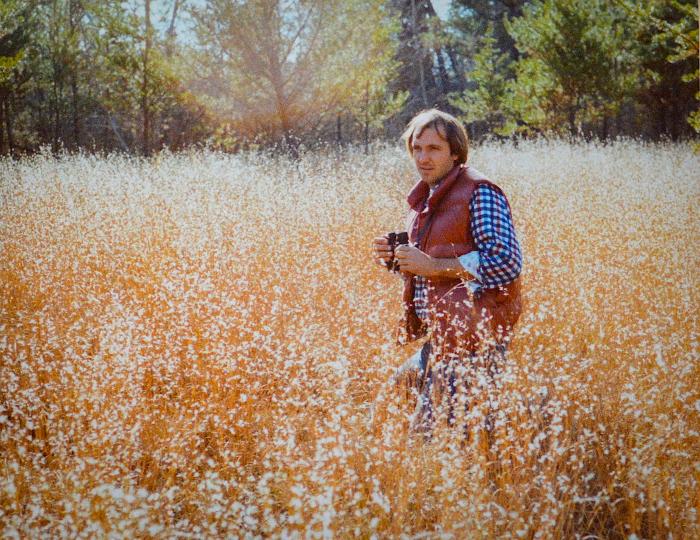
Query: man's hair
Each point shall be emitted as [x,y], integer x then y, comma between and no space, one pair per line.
[446,125]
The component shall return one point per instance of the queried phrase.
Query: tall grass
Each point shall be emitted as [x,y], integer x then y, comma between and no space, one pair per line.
[189,347]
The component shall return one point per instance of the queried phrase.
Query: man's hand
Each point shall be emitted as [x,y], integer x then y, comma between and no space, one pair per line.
[382,251]
[413,260]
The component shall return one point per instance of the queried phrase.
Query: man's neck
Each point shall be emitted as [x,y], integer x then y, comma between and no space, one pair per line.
[437,183]
[433,186]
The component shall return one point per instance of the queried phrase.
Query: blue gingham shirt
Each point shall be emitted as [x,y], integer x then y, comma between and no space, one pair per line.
[497,259]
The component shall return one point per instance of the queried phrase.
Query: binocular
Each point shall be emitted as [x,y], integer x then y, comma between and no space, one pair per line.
[395,239]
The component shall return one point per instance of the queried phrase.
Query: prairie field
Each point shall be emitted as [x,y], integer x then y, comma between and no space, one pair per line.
[197,345]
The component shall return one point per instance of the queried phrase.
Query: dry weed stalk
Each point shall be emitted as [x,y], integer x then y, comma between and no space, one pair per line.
[189,346]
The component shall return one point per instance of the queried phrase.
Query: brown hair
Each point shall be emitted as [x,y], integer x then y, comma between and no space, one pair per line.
[446,125]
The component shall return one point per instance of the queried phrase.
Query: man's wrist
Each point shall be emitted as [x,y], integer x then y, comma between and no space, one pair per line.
[448,268]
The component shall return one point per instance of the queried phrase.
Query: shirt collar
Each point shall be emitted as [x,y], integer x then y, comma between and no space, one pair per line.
[423,197]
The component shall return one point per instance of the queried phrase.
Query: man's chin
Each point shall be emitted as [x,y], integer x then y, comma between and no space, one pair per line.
[427,177]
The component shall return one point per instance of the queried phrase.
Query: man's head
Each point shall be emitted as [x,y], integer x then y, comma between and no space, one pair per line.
[437,142]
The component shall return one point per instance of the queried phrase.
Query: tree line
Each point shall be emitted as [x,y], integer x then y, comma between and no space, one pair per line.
[143,75]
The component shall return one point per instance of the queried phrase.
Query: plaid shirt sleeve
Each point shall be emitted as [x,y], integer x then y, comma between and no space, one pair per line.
[500,258]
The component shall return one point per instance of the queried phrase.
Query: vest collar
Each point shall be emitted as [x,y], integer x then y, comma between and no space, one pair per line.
[421,191]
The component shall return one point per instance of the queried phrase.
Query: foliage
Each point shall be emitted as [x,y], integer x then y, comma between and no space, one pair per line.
[286,69]
[16,25]
[14,37]
[480,18]
[666,44]
[575,68]
[77,74]
[582,67]
[78,80]
[488,99]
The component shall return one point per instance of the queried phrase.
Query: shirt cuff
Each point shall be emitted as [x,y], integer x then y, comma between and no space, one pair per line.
[470,262]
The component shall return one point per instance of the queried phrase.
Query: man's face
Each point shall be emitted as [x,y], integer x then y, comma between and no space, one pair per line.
[431,154]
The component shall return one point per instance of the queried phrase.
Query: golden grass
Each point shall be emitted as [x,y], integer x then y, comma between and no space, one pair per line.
[190,346]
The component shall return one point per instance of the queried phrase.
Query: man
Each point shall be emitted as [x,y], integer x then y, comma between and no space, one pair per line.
[461,267]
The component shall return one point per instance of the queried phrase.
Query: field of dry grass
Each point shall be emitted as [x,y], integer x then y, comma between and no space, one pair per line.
[189,347]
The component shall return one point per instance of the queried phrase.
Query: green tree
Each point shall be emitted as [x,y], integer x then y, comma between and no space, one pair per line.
[576,67]
[285,70]
[486,99]
[666,46]
[87,73]
[359,75]
[15,28]
[472,18]
[430,66]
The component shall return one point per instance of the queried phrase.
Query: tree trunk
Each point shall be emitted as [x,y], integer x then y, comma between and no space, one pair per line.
[171,29]
[42,116]
[572,119]
[605,128]
[677,120]
[281,103]
[418,52]
[444,77]
[458,68]
[8,124]
[74,6]
[660,121]
[117,135]
[283,116]
[423,92]
[56,116]
[2,121]
[366,117]
[339,133]
[145,105]
[76,113]
[55,76]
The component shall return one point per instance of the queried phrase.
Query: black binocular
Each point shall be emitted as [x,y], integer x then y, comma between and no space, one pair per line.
[395,239]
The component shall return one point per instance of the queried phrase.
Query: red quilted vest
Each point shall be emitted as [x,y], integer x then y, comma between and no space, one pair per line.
[460,322]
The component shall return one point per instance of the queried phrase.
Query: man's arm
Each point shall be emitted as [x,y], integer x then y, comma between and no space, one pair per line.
[500,257]
[497,259]
[415,261]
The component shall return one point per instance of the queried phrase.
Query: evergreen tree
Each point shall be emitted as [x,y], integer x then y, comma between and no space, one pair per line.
[666,46]
[485,101]
[576,67]
[475,18]
[15,29]
[429,66]
[286,70]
